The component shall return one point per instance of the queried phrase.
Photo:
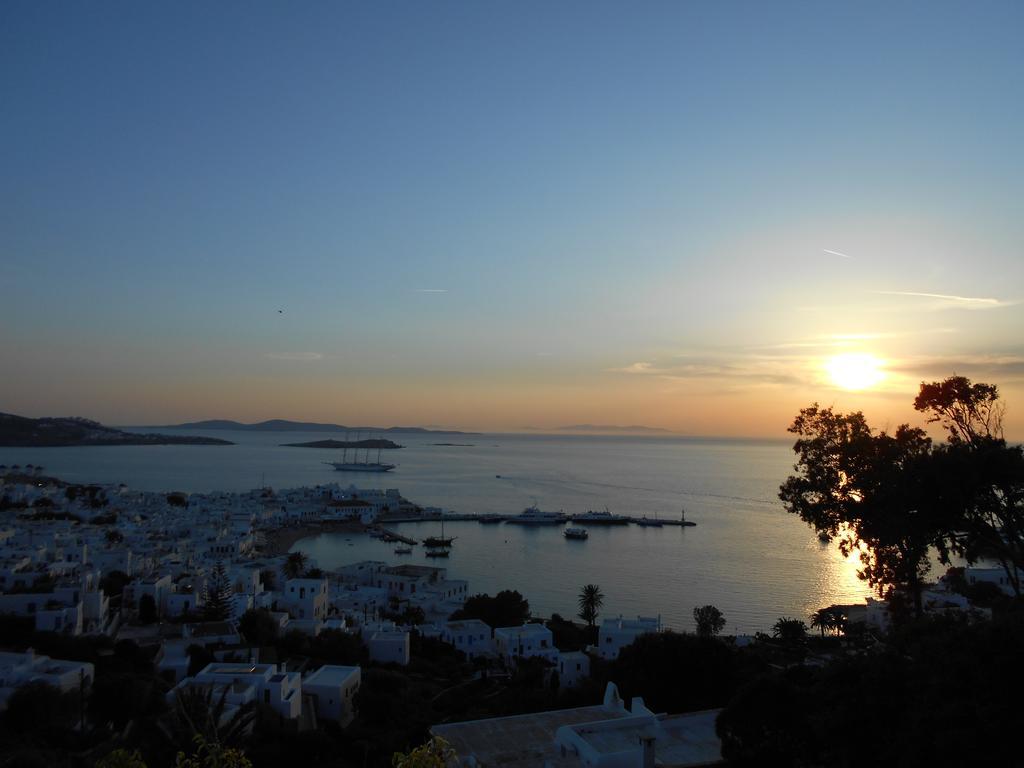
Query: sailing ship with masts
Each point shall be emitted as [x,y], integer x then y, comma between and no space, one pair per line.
[356,465]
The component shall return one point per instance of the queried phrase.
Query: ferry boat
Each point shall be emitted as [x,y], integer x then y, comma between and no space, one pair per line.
[575,533]
[534,516]
[600,518]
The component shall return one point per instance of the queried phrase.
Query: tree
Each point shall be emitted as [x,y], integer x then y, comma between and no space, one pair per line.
[258,627]
[709,620]
[147,609]
[980,479]
[121,758]
[218,596]
[269,578]
[676,672]
[590,601]
[198,714]
[295,565]
[829,619]
[212,755]
[790,630]
[871,491]
[436,753]
[969,412]
[506,609]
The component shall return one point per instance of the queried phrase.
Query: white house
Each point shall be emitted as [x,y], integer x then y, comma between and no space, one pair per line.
[995,576]
[282,691]
[573,667]
[471,636]
[18,669]
[334,688]
[604,736]
[616,634]
[305,598]
[527,641]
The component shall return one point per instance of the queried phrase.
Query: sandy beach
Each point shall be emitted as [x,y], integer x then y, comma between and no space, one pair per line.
[279,542]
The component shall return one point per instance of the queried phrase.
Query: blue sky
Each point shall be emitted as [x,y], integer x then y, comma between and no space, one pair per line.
[493,215]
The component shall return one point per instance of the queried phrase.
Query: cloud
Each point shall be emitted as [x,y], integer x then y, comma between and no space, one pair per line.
[741,368]
[430,290]
[994,367]
[835,253]
[297,357]
[945,301]
[636,368]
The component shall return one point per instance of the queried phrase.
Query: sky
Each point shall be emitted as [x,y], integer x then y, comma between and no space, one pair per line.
[494,216]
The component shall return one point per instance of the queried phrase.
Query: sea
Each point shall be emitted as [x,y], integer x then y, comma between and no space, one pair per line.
[746,555]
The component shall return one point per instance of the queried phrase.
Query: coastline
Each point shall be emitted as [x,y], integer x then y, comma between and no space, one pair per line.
[280,541]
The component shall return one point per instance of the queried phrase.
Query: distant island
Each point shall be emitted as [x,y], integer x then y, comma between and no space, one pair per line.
[283,425]
[604,429]
[385,445]
[23,432]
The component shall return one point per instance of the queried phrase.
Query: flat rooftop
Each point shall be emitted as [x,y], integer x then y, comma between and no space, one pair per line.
[522,740]
[682,741]
[330,674]
[413,570]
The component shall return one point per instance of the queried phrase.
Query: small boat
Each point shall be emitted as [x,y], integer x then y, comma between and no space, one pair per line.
[438,552]
[498,476]
[438,541]
[575,533]
[403,550]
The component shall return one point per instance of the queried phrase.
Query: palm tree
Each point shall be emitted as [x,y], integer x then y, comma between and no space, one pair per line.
[295,565]
[590,601]
[196,712]
[789,629]
[821,620]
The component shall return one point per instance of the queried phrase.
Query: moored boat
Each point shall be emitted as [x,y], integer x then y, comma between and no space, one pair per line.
[605,517]
[575,533]
[534,516]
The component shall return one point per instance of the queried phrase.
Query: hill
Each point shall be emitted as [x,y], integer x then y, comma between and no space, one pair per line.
[284,425]
[23,432]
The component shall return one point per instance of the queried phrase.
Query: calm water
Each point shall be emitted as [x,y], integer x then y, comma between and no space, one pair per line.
[746,555]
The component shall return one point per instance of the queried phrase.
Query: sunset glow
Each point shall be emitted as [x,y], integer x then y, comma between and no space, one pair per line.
[855,371]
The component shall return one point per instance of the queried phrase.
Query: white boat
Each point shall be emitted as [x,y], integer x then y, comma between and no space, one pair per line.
[600,518]
[534,516]
[575,533]
[359,466]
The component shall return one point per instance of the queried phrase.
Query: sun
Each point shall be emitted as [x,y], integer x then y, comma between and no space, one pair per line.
[855,371]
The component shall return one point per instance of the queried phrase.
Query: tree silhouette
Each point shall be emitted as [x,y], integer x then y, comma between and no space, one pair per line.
[218,596]
[295,565]
[790,630]
[869,490]
[590,601]
[709,620]
[979,480]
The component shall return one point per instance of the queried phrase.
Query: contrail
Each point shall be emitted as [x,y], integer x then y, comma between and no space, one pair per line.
[965,299]
[430,290]
[835,253]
